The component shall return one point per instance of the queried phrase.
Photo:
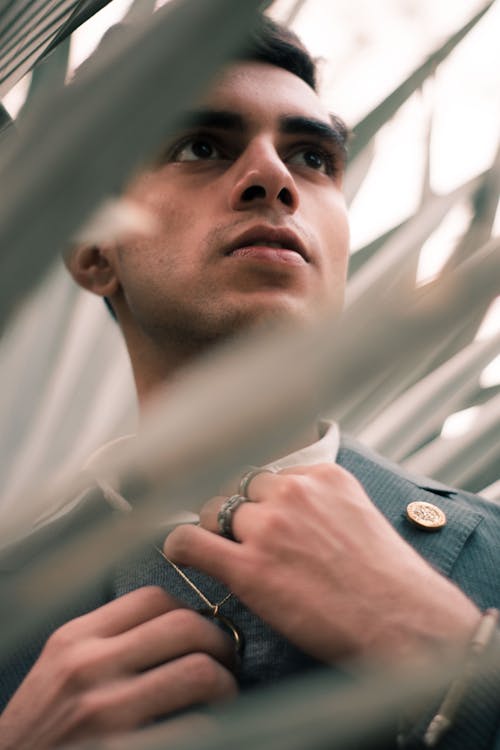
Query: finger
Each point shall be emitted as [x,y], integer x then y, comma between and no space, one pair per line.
[266,486]
[257,489]
[133,701]
[189,681]
[170,636]
[209,515]
[124,613]
[208,552]
[248,476]
[209,511]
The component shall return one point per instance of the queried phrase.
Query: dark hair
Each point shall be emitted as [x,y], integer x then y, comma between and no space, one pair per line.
[275,44]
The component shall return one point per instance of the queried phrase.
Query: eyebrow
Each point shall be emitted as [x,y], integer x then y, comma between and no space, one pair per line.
[335,131]
[214,118]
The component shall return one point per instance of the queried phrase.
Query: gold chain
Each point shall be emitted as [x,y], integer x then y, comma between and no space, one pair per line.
[213,607]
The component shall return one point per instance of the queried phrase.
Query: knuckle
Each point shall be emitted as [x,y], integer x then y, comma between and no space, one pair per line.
[93,712]
[153,597]
[63,638]
[337,477]
[343,475]
[203,671]
[78,668]
[188,621]
[352,488]
[227,686]
[327,472]
[179,541]
[274,522]
[289,490]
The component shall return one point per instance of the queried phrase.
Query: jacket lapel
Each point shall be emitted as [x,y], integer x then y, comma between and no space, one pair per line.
[391,490]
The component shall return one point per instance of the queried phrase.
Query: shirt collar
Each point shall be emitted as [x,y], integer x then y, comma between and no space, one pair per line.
[323,451]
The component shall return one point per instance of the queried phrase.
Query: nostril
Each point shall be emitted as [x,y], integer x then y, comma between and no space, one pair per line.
[285,197]
[252,192]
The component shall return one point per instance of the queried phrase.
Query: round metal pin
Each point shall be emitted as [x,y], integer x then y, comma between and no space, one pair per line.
[426,516]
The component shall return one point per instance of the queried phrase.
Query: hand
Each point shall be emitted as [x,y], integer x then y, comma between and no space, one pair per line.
[135,659]
[321,564]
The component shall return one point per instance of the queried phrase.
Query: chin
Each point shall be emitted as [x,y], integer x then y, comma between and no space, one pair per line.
[269,315]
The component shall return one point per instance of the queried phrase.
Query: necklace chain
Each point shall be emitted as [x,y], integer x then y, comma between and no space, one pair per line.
[214,608]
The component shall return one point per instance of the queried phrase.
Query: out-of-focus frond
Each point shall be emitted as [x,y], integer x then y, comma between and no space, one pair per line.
[421,411]
[294,12]
[27,30]
[357,171]
[126,84]
[364,131]
[139,9]
[492,492]
[426,190]
[48,76]
[469,461]
[85,10]
[361,256]
[315,712]
[397,258]
[201,431]
[411,362]
[485,205]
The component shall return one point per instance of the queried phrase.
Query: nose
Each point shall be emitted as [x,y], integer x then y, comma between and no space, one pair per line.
[262,178]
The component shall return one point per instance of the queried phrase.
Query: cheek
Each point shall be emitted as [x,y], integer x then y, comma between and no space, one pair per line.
[332,222]
[172,210]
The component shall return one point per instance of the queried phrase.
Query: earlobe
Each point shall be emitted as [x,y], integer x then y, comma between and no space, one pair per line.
[92,269]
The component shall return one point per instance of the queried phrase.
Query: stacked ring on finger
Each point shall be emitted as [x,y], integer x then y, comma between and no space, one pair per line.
[249,475]
[225,514]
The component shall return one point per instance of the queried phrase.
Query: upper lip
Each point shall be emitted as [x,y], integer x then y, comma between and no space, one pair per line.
[261,235]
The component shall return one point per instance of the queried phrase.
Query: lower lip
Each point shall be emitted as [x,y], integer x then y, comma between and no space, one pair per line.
[269,255]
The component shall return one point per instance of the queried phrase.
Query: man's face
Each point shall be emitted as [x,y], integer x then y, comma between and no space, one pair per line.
[251,218]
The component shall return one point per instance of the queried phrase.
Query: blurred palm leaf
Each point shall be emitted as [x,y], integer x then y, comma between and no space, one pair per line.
[427,404]
[364,131]
[48,76]
[361,256]
[469,460]
[29,30]
[485,205]
[125,83]
[366,372]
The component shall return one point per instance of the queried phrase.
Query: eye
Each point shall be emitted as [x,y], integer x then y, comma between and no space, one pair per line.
[196,149]
[314,158]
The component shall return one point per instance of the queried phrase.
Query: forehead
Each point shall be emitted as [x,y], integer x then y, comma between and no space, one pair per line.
[263,94]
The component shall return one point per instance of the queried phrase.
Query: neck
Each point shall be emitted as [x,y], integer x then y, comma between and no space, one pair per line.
[156,365]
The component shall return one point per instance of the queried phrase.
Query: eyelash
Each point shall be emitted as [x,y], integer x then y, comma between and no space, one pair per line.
[330,159]
[174,152]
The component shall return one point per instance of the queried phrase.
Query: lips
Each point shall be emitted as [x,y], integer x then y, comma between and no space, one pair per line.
[269,237]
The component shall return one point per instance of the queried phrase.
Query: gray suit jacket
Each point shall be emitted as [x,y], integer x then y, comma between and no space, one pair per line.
[465,550]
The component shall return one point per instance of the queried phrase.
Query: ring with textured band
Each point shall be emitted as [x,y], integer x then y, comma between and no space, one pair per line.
[249,475]
[225,514]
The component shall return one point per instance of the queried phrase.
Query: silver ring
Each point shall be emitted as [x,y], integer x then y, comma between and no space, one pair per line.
[225,514]
[249,475]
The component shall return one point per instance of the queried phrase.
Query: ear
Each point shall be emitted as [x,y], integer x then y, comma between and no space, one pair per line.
[92,269]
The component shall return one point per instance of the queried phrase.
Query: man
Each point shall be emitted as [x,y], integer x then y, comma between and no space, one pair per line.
[252,229]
